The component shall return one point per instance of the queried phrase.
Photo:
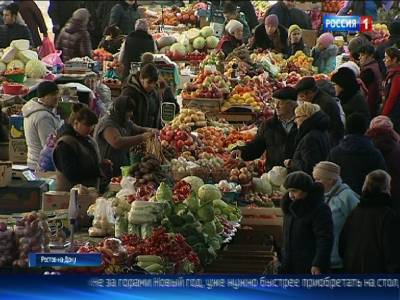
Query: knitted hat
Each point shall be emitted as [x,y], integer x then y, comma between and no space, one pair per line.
[141,24]
[299,180]
[306,84]
[327,170]
[82,15]
[45,88]
[326,39]
[293,28]
[381,122]
[272,20]
[232,26]
[307,109]
[286,93]
[345,78]
[352,66]
[356,123]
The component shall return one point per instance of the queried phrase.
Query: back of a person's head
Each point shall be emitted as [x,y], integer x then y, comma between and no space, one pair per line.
[346,79]
[113,31]
[150,72]
[357,124]
[83,114]
[377,182]
[147,58]
[120,107]
[307,109]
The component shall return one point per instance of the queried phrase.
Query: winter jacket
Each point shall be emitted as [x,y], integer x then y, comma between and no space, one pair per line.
[34,20]
[307,233]
[113,46]
[9,33]
[325,60]
[293,48]
[137,43]
[312,145]
[341,200]
[388,145]
[119,157]
[263,41]
[330,106]
[282,12]
[301,18]
[391,107]
[142,115]
[227,44]
[354,102]
[369,242]
[77,161]
[372,78]
[74,41]
[247,8]
[273,139]
[39,122]
[103,12]
[356,156]
[60,12]
[124,16]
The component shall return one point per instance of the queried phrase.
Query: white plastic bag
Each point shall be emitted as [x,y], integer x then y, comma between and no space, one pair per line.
[128,187]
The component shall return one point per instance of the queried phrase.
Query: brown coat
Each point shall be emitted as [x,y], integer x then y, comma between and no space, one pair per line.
[74,41]
[33,18]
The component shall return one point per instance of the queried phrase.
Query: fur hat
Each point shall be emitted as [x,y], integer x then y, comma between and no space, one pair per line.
[286,93]
[327,170]
[306,84]
[352,66]
[299,180]
[81,15]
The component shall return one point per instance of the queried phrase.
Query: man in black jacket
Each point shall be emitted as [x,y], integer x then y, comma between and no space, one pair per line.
[308,91]
[11,30]
[277,135]
[356,154]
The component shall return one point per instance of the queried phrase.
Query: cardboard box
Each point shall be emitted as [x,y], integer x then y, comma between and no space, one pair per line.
[84,201]
[18,150]
[17,127]
[55,200]
[205,105]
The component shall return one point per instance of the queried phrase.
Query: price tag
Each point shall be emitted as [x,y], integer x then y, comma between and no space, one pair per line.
[167,112]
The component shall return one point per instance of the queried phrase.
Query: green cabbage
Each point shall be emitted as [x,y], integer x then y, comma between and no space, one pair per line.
[262,185]
[192,202]
[206,213]
[195,182]
[208,193]
[35,69]
[210,229]
[164,193]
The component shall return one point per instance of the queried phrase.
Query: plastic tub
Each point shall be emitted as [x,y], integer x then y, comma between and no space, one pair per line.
[13,88]
[19,78]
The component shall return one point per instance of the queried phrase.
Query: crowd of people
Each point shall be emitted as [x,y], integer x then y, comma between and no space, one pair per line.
[338,138]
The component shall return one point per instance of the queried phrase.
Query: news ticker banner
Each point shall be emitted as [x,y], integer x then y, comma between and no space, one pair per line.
[192,287]
[334,23]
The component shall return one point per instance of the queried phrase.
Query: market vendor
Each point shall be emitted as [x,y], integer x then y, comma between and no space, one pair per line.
[116,134]
[40,120]
[231,13]
[271,35]
[308,91]
[76,155]
[276,136]
[112,39]
[11,30]
[233,37]
[295,41]
[141,89]
[324,53]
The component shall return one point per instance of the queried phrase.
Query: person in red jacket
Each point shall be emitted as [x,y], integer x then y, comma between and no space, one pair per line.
[391,85]
[232,38]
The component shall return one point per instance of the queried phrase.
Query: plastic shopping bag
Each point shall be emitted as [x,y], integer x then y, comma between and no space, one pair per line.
[46,48]
[53,59]
[46,163]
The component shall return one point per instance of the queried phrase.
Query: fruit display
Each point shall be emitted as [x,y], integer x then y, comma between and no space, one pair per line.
[332,6]
[179,139]
[258,199]
[207,85]
[7,245]
[211,137]
[321,77]
[148,171]
[248,99]
[173,16]
[229,187]
[244,136]
[213,59]
[290,79]
[189,118]
[380,34]
[242,176]
[14,71]
[181,191]
[261,8]
[300,63]
[102,55]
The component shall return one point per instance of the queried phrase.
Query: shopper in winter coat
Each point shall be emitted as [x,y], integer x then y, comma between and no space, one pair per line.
[276,136]
[328,87]
[60,12]
[388,142]
[361,40]
[295,40]
[270,35]
[76,154]
[348,91]
[74,38]
[369,242]
[40,120]
[103,12]
[340,199]
[309,92]
[372,78]
[247,8]
[324,53]
[393,41]
[112,40]
[33,18]
[11,30]
[232,37]
[116,134]
[307,227]
[301,18]
[124,15]
[231,12]
[137,43]
[282,10]
[312,143]
[356,154]
[391,107]
[141,88]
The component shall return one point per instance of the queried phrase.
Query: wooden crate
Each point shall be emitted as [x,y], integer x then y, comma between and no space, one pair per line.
[205,105]
[238,117]
[276,221]
[262,211]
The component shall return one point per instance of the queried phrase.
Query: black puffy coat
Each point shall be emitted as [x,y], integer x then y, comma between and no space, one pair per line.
[307,233]
[273,139]
[312,144]
[369,242]
[356,156]
[261,39]
[354,102]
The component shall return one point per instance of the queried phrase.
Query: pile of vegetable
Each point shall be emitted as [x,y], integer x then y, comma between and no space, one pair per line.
[148,171]
[7,246]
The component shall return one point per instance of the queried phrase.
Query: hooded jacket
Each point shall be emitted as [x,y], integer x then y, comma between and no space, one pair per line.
[39,122]
[312,144]
[124,16]
[369,242]
[74,40]
[325,60]
[142,115]
[392,96]
[356,156]
[307,233]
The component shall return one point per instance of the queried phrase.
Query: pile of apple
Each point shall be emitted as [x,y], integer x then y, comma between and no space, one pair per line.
[380,34]
[211,137]
[189,118]
[174,16]
[209,85]
[242,176]
[291,78]
[178,139]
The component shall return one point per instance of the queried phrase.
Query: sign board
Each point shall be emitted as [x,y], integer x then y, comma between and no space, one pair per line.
[347,23]
[168,112]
